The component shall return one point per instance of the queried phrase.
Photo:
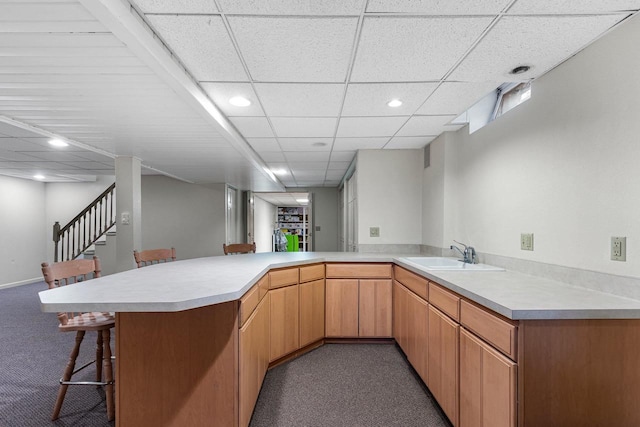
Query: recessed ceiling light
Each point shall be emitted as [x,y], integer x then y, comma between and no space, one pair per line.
[239,101]
[58,143]
[39,177]
[302,200]
[279,171]
[394,103]
[520,69]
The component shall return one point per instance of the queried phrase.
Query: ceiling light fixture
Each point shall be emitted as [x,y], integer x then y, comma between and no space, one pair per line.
[520,69]
[394,103]
[279,171]
[302,200]
[39,177]
[239,101]
[57,143]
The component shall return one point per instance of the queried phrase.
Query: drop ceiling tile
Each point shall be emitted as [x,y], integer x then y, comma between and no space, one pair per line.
[289,7]
[371,99]
[438,7]
[408,142]
[342,166]
[334,175]
[306,144]
[292,99]
[281,49]
[252,127]
[58,156]
[272,156]
[342,156]
[172,6]
[317,156]
[304,126]
[369,126]
[539,41]
[316,167]
[545,7]
[455,97]
[220,93]
[213,57]
[425,125]
[407,49]
[354,144]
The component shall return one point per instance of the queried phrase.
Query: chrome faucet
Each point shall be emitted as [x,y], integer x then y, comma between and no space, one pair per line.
[468,255]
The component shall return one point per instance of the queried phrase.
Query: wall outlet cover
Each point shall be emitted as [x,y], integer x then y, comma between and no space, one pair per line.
[619,248]
[374,231]
[526,241]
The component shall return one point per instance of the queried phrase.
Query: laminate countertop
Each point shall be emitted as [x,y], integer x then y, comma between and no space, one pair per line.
[199,282]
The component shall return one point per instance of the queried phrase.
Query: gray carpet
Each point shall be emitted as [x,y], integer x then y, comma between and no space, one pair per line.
[33,354]
[346,385]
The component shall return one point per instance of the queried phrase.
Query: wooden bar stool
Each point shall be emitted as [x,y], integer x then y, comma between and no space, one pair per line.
[154,256]
[239,248]
[65,273]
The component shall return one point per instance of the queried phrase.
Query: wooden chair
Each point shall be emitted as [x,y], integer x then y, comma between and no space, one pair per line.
[64,273]
[154,256]
[239,248]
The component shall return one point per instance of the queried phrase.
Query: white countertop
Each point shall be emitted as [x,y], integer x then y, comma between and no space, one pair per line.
[194,283]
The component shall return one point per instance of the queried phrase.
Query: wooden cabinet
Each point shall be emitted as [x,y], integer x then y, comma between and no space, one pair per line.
[284,303]
[312,311]
[443,362]
[410,326]
[375,308]
[342,308]
[253,356]
[487,385]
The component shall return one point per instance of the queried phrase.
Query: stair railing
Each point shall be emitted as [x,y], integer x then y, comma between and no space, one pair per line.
[87,227]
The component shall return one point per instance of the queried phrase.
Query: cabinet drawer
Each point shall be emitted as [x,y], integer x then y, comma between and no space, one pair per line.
[359,271]
[417,284]
[285,277]
[495,331]
[446,301]
[311,272]
[248,303]
[263,286]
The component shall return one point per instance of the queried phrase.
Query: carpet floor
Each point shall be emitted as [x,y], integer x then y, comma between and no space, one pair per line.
[335,385]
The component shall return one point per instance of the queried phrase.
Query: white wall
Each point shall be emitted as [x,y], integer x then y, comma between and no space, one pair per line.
[389,194]
[188,217]
[23,234]
[564,166]
[264,218]
[325,215]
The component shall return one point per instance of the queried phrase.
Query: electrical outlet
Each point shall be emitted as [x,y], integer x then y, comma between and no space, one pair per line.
[374,231]
[526,241]
[619,248]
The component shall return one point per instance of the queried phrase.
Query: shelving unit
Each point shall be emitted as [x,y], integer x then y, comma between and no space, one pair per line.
[295,220]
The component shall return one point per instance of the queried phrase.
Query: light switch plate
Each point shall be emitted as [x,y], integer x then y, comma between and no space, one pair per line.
[374,231]
[526,241]
[619,248]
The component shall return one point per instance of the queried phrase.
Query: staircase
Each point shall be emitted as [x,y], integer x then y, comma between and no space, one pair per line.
[105,249]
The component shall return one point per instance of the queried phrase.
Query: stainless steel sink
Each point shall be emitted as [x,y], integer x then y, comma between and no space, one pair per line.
[448,264]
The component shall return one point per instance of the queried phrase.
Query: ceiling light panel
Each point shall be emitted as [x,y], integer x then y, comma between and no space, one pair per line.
[354,144]
[541,41]
[172,6]
[369,126]
[455,97]
[288,7]
[430,7]
[413,48]
[290,50]
[252,127]
[371,99]
[280,99]
[425,125]
[306,144]
[304,126]
[213,57]
[566,7]
[408,142]
[221,93]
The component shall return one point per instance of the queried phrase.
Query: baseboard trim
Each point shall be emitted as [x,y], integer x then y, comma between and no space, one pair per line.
[21,282]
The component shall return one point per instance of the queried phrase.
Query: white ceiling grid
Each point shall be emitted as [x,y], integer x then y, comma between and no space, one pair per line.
[319,75]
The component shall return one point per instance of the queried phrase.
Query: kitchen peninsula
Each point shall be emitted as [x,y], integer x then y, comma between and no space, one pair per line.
[194,337]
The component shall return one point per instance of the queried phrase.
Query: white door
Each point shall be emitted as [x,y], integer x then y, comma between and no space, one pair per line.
[232,215]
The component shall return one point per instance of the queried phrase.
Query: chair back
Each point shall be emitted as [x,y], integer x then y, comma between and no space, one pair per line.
[239,248]
[68,272]
[154,256]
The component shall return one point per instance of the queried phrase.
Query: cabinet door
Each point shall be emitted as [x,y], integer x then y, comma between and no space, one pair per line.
[400,316]
[487,385]
[375,308]
[443,362]
[342,308]
[284,321]
[311,312]
[418,334]
[253,359]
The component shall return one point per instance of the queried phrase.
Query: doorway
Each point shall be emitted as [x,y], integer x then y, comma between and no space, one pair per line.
[288,213]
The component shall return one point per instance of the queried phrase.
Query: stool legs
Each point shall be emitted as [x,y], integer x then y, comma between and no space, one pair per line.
[108,374]
[99,351]
[62,391]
